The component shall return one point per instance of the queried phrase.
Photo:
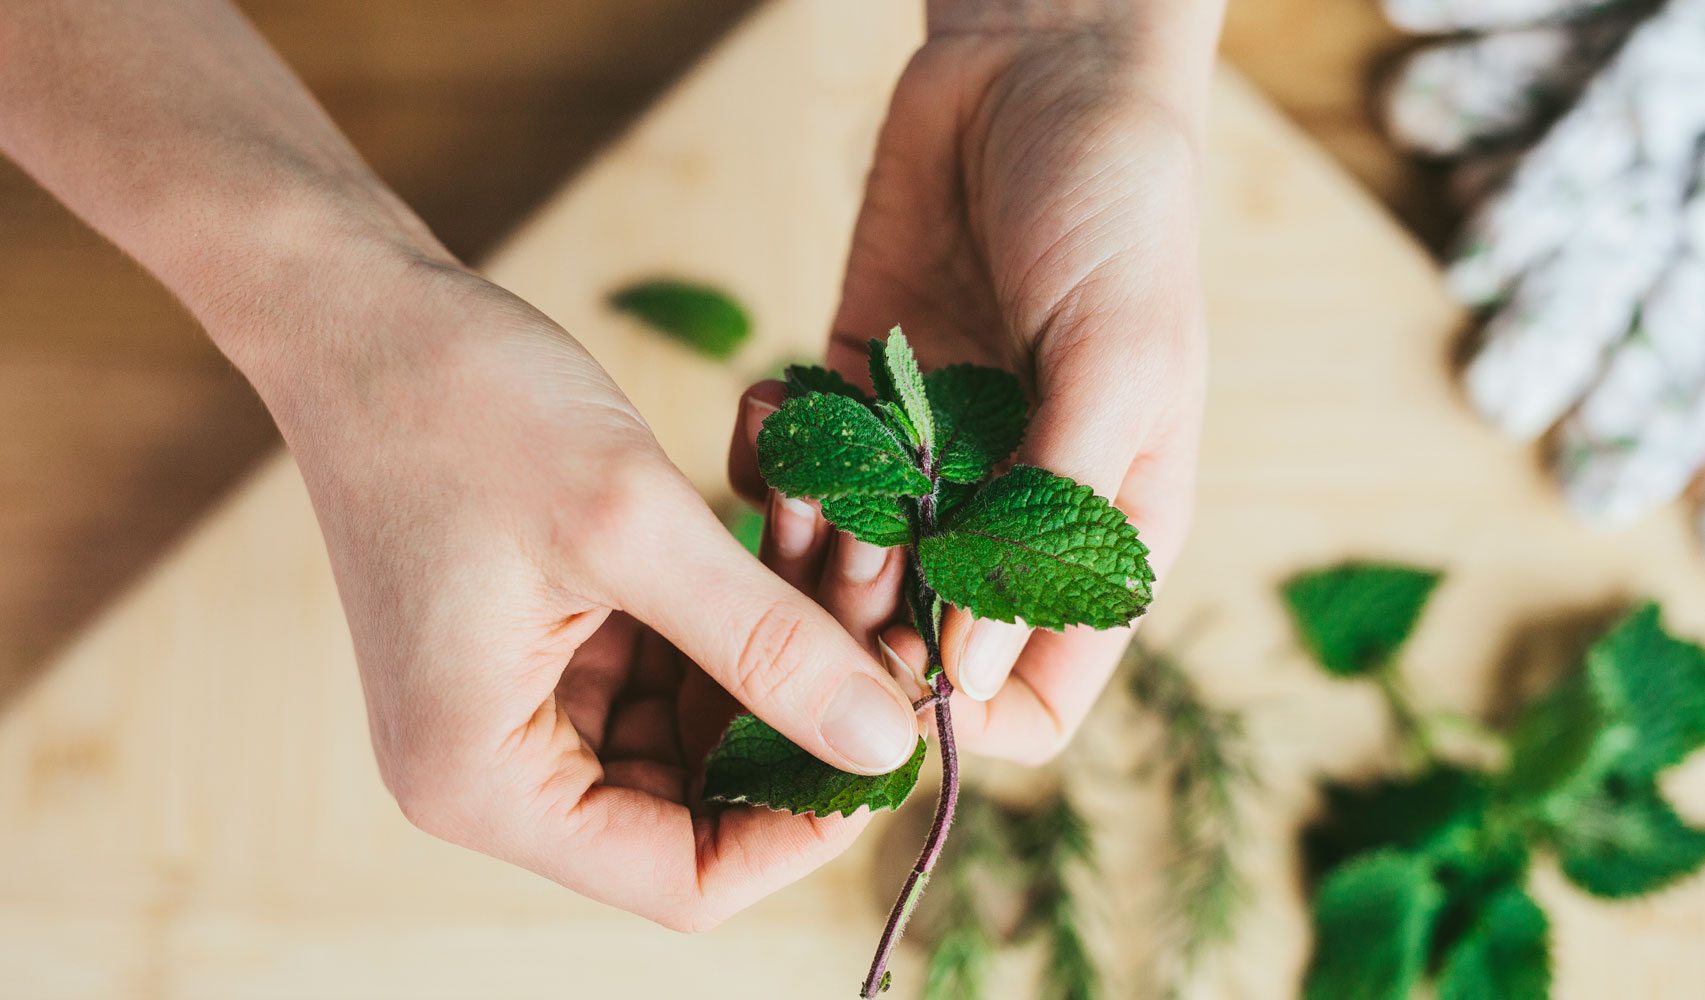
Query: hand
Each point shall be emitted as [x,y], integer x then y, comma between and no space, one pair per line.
[552,628]
[1032,205]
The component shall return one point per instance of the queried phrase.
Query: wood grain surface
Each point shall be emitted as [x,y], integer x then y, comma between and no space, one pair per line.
[188,805]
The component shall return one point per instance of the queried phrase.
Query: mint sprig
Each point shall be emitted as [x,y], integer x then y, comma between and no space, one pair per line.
[913,466]
[1431,867]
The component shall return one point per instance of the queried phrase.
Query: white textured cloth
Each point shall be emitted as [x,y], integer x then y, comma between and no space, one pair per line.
[1579,136]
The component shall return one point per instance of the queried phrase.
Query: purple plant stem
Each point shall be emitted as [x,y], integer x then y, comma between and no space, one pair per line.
[945,805]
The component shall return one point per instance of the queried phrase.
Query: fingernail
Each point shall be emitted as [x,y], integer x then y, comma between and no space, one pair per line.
[793,526]
[989,654]
[757,410]
[861,562]
[899,669]
[869,726]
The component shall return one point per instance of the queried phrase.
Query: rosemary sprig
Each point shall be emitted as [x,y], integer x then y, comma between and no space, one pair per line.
[1205,764]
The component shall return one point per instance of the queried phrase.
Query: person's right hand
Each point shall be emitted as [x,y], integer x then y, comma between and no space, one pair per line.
[548,619]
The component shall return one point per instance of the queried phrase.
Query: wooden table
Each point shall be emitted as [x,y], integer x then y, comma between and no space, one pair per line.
[188,806]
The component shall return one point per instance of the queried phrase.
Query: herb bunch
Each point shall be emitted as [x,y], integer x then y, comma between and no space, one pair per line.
[915,466]
[1424,875]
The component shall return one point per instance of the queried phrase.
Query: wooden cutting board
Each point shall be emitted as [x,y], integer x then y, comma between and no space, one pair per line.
[188,805]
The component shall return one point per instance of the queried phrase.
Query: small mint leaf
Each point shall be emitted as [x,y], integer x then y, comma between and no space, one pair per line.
[980,414]
[1561,740]
[1625,840]
[1040,547]
[1354,617]
[823,445]
[878,520]
[1505,954]
[1654,682]
[697,315]
[1373,924]
[803,380]
[894,372]
[754,764]
[895,419]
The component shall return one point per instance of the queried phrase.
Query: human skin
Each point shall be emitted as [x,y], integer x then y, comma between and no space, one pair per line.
[1033,206]
[551,627]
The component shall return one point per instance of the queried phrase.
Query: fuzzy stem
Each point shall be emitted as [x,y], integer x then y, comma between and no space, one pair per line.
[945,805]
[926,611]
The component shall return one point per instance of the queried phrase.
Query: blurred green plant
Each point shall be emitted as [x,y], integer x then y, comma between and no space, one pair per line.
[704,318]
[1423,876]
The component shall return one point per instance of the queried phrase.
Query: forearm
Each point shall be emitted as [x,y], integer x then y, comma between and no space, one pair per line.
[1170,42]
[173,129]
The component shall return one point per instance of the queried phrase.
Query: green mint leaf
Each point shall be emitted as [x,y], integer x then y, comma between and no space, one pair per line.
[1353,618]
[1654,682]
[980,414]
[894,372]
[755,764]
[697,315]
[823,445]
[1505,953]
[878,520]
[1625,840]
[1373,925]
[803,380]
[1414,814]
[896,420]
[1040,547]
[1563,739]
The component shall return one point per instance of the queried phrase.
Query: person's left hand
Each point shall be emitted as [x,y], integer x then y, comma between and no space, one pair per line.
[1032,206]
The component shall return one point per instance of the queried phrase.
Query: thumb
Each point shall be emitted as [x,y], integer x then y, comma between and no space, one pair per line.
[1088,427]
[777,652]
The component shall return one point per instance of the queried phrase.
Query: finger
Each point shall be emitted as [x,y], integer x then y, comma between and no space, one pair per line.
[775,650]
[756,404]
[860,586]
[795,539]
[648,855]
[979,653]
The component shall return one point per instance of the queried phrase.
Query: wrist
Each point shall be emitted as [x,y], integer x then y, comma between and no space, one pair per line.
[313,295]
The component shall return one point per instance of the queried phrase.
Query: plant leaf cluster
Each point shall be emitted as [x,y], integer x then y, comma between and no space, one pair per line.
[1423,876]
[915,464]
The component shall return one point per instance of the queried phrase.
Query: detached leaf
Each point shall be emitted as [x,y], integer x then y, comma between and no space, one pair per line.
[1355,617]
[1373,921]
[822,446]
[697,315]
[980,414]
[1654,682]
[802,380]
[1627,841]
[755,764]
[894,372]
[877,520]
[1505,954]
[1040,547]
